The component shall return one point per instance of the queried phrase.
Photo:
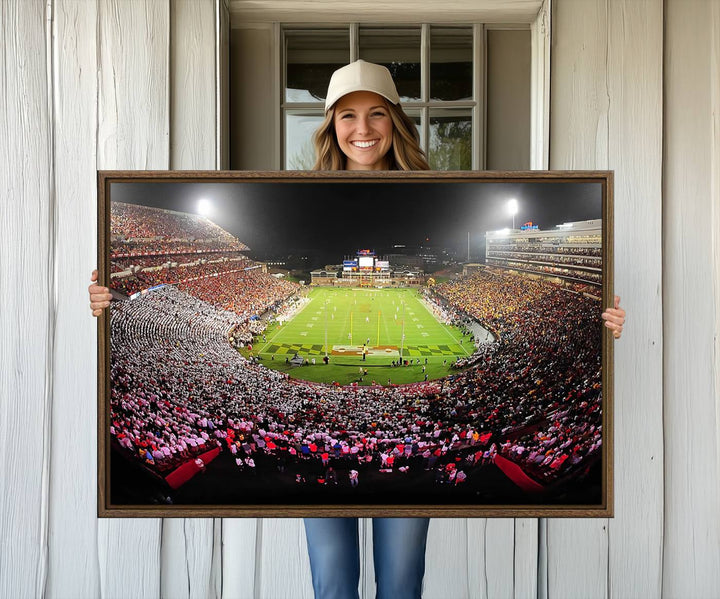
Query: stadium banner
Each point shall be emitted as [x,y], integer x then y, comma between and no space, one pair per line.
[263,357]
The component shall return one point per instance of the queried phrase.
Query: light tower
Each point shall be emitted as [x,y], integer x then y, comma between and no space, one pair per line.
[512,207]
[204,207]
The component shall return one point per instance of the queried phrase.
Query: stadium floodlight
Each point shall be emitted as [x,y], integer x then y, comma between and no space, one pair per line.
[204,207]
[512,207]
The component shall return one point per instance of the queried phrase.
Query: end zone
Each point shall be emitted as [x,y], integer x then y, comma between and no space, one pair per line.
[390,351]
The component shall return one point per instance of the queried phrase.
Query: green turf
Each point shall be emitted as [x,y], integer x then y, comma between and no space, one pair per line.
[351,318]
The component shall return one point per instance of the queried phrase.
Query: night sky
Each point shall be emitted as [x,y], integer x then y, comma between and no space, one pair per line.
[331,220]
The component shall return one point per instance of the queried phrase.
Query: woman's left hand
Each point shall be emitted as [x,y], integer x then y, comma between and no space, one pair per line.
[615,318]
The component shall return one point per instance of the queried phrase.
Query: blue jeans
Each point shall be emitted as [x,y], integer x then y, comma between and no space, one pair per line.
[398,552]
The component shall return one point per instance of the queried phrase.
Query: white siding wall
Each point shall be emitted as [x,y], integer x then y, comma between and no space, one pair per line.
[690,299]
[27,311]
[73,541]
[606,112]
[117,84]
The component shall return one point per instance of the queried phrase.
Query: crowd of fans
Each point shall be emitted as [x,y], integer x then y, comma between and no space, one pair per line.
[157,247]
[176,381]
[583,258]
[247,293]
[172,275]
[575,250]
[132,221]
[179,387]
[592,261]
[138,262]
[544,372]
[581,275]
[139,231]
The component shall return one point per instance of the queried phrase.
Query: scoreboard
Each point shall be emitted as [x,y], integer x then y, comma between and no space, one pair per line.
[366,260]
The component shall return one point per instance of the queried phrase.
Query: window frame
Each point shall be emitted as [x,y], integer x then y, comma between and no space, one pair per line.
[476,106]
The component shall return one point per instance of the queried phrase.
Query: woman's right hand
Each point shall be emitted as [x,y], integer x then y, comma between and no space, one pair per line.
[99,296]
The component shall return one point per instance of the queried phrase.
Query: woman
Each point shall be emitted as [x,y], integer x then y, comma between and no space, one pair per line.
[365,129]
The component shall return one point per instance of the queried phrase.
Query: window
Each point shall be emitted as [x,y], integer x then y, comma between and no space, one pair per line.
[434,67]
[467,87]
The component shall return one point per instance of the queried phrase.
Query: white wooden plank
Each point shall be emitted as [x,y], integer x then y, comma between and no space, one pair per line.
[577,550]
[187,555]
[129,558]
[635,85]
[447,557]
[715,192]
[216,571]
[499,556]
[193,85]
[133,126]
[577,558]
[473,557]
[691,402]
[222,63]
[579,100]
[73,563]
[540,32]
[476,563]
[607,68]
[239,558]
[367,561]
[27,313]
[542,577]
[282,568]
[187,544]
[525,573]
[491,555]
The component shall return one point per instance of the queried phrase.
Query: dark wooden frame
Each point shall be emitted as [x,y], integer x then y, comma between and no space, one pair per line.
[106,509]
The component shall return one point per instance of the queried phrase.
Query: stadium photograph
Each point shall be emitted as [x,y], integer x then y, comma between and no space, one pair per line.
[310,343]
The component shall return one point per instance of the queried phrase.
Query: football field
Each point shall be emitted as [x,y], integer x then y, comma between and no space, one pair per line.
[363,328]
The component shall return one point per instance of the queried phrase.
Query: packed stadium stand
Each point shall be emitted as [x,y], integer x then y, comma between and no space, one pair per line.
[571,252]
[179,388]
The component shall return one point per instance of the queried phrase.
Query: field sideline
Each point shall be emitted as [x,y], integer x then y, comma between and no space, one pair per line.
[355,318]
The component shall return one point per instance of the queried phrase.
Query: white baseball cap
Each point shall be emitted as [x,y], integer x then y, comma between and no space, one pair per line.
[361,76]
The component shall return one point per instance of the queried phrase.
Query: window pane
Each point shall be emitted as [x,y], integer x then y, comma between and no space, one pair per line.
[311,58]
[414,115]
[450,140]
[299,149]
[398,50]
[451,56]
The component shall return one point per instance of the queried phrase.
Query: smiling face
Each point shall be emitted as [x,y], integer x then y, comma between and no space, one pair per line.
[364,130]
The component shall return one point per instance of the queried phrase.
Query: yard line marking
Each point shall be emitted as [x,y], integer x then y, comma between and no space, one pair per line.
[282,329]
[442,326]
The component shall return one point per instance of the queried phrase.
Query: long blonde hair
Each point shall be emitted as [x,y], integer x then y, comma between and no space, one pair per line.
[405,154]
